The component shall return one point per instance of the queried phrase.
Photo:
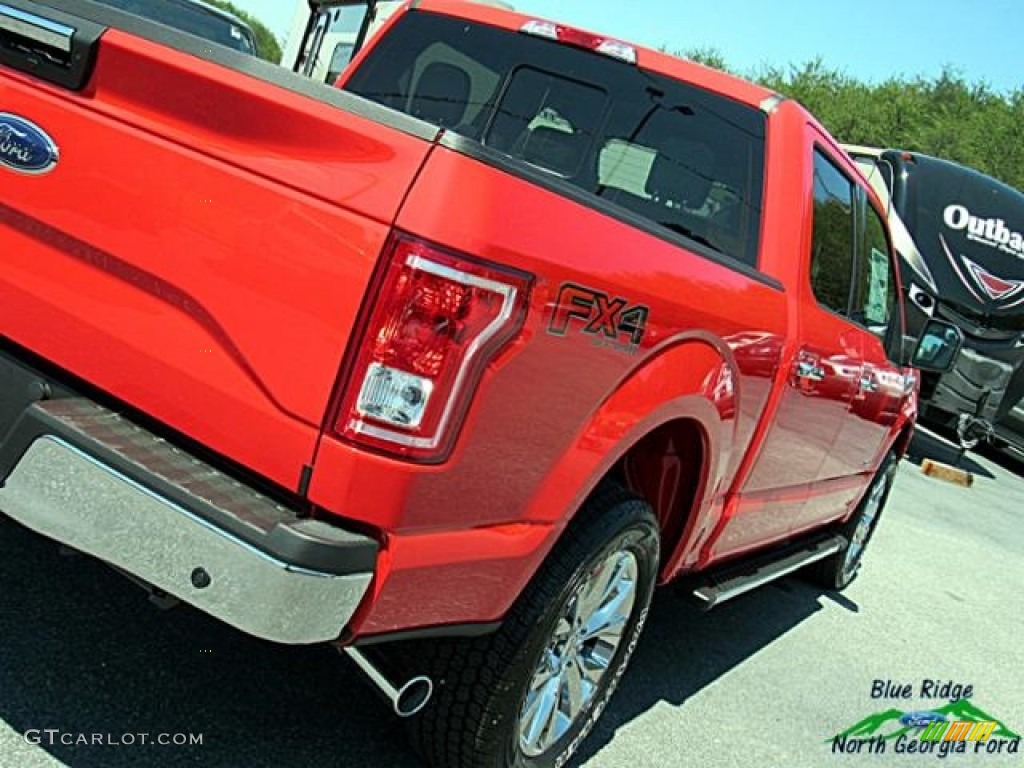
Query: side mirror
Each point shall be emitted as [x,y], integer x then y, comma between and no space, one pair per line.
[938,347]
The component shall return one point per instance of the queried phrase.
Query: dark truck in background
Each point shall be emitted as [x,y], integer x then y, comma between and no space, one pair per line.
[195,17]
[960,234]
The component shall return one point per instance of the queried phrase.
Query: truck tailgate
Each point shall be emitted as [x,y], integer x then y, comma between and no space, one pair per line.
[202,247]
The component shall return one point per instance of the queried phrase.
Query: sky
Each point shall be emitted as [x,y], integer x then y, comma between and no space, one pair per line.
[870,40]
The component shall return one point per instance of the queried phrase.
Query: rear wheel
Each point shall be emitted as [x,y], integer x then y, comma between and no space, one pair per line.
[839,570]
[527,695]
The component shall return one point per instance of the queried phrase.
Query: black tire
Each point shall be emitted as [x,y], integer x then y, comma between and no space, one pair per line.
[838,571]
[481,684]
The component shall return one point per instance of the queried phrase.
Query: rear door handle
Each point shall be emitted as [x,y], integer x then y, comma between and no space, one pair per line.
[805,369]
[868,384]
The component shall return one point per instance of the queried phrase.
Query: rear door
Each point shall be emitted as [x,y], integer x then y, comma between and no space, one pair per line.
[796,468]
[856,295]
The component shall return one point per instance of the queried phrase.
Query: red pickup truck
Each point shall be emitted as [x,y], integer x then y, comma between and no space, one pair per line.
[448,365]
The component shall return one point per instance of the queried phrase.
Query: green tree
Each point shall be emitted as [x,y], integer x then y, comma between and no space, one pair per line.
[266,44]
[708,56]
[947,116]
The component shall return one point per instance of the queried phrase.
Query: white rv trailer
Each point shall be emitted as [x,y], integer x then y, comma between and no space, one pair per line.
[325,34]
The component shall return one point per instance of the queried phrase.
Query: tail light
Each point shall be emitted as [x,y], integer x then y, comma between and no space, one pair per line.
[437,320]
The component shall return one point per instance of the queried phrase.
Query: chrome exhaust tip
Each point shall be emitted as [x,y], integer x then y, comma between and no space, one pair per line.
[407,699]
[413,696]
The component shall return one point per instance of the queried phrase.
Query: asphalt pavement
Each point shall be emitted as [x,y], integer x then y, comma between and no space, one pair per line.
[765,680]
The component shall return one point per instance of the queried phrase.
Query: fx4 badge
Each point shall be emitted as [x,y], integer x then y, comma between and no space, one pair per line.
[611,322]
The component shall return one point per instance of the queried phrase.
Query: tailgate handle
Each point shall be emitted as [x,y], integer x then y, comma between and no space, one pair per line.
[56,47]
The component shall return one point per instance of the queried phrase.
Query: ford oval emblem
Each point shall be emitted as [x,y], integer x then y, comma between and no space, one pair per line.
[25,147]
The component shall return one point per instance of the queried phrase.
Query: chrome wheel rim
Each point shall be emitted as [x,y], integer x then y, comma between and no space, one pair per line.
[579,652]
[861,532]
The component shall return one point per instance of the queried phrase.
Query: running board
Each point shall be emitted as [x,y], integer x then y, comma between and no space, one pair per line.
[734,580]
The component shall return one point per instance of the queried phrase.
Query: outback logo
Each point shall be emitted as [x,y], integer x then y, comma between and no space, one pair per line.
[610,322]
[991,232]
[996,287]
[25,147]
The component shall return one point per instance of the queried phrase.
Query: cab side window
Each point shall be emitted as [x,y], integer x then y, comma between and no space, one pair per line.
[852,269]
[832,240]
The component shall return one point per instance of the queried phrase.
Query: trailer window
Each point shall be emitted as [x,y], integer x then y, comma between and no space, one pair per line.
[878,172]
[682,158]
[331,43]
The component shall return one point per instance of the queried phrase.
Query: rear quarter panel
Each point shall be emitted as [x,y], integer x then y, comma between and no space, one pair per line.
[555,410]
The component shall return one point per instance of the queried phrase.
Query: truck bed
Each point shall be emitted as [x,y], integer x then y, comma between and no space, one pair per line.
[233,220]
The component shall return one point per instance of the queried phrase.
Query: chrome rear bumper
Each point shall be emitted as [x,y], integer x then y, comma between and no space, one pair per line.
[87,478]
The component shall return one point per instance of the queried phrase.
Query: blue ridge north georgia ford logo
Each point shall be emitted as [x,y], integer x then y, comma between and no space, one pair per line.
[24,146]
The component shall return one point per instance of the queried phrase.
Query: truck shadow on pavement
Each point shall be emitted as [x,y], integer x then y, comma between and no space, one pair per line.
[683,649]
[82,651]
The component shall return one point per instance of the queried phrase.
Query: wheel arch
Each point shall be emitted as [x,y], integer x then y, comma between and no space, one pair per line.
[669,469]
[671,410]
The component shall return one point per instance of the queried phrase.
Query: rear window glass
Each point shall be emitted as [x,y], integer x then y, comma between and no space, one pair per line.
[679,156]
